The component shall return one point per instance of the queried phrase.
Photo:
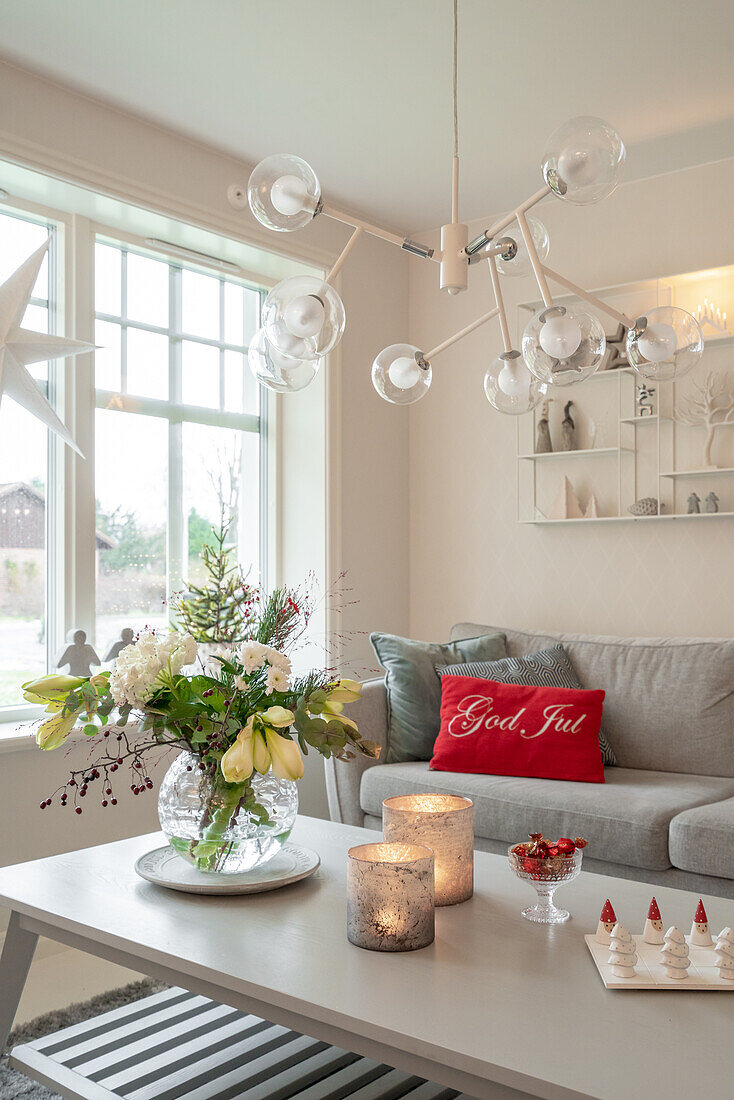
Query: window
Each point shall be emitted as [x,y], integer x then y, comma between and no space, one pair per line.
[177,430]
[177,423]
[24,460]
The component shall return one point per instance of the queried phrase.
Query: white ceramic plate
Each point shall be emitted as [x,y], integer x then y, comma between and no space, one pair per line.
[165,868]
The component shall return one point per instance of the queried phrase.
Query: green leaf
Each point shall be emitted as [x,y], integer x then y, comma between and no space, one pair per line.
[90,730]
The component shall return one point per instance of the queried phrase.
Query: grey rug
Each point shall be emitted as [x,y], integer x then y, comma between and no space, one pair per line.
[13,1085]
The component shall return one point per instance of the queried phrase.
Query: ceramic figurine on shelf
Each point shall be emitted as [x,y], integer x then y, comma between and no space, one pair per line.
[79,656]
[566,505]
[607,921]
[543,445]
[700,934]
[125,639]
[653,925]
[645,405]
[694,504]
[709,404]
[712,502]
[592,508]
[645,506]
[623,953]
[674,955]
[724,954]
[568,429]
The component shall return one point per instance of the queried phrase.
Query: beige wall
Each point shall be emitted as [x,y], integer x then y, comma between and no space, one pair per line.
[469,559]
[84,142]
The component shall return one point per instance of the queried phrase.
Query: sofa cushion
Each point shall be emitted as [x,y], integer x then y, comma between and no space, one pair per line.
[626,819]
[669,701]
[702,839]
[414,689]
[551,667]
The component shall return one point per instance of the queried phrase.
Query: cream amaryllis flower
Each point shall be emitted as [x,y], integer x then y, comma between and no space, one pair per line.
[276,680]
[237,762]
[50,690]
[259,747]
[54,731]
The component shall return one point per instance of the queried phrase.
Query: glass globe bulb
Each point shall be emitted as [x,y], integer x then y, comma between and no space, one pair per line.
[303,317]
[560,336]
[401,374]
[289,194]
[665,344]
[562,346]
[510,387]
[583,160]
[276,371]
[283,192]
[520,264]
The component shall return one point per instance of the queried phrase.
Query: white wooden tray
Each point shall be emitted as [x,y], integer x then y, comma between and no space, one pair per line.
[651,974]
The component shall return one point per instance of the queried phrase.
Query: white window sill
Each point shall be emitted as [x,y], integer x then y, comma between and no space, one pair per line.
[16,736]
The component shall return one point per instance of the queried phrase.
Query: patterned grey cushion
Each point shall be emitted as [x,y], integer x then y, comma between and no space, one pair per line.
[547,668]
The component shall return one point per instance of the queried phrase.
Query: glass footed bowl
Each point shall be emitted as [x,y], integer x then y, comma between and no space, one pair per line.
[546,875]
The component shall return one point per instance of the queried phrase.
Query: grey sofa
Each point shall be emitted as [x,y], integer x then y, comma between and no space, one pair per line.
[664,815]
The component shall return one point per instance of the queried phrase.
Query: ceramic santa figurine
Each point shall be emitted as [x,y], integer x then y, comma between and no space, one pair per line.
[724,954]
[674,955]
[700,935]
[653,925]
[607,921]
[623,953]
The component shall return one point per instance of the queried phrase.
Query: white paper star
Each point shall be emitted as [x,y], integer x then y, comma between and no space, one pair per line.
[19,347]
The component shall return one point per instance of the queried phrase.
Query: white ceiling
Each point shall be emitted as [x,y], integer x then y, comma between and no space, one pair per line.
[361,88]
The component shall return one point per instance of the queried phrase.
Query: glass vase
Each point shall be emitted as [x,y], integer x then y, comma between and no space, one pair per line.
[220,827]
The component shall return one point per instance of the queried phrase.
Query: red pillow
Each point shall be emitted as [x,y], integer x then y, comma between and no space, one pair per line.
[509,729]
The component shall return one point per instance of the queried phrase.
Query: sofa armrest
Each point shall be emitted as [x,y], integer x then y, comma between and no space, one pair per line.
[343,777]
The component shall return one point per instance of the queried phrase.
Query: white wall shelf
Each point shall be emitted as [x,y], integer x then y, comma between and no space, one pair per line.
[712,472]
[659,463]
[588,453]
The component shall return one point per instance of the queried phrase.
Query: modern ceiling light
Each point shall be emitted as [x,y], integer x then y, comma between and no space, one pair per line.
[304,319]
[276,371]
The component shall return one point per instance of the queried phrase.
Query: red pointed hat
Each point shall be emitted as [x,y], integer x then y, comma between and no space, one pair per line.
[607,913]
[653,912]
[700,917]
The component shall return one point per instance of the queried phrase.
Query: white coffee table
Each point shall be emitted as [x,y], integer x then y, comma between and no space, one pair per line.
[495,1008]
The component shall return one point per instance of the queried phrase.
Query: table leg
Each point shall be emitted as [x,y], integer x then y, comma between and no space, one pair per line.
[14,966]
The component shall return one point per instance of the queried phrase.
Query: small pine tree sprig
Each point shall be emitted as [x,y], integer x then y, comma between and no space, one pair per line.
[224,606]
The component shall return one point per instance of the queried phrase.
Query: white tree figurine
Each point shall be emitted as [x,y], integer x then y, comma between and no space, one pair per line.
[623,953]
[674,955]
[724,954]
[709,404]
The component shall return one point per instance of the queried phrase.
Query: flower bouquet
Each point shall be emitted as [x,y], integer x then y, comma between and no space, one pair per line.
[241,719]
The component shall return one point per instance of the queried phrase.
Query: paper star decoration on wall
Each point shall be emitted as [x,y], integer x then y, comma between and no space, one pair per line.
[19,347]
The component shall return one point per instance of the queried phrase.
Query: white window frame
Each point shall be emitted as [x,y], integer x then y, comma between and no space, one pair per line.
[70,495]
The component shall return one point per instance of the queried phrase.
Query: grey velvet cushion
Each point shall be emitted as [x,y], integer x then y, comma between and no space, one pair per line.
[669,702]
[626,819]
[546,668]
[702,840]
[414,689]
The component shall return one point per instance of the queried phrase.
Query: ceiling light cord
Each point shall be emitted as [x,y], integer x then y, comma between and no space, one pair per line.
[455,165]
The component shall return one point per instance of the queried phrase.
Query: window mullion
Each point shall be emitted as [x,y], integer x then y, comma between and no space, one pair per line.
[176,518]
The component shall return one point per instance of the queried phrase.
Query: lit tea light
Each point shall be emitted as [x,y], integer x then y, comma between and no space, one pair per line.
[445,824]
[390,897]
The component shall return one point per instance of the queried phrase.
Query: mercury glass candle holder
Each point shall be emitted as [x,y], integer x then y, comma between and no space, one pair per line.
[390,897]
[445,824]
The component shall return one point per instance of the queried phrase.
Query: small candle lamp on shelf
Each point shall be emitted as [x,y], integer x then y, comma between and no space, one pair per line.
[390,897]
[444,823]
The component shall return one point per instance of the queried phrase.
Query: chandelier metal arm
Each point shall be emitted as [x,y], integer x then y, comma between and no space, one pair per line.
[484,238]
[339,262]
[535,263]
[504,327]
[587,297]
[461,333]
[377,231]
